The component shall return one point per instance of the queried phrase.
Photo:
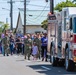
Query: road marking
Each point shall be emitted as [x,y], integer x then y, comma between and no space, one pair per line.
[46,68]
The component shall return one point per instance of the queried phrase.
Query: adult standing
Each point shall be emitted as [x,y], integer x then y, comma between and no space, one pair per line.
[19,45]
[11,44]
[28,46]
[5,44]
[44,47]
[2,40]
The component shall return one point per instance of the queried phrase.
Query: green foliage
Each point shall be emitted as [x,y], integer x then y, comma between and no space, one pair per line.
[44,24]
[61,5]
[3,26]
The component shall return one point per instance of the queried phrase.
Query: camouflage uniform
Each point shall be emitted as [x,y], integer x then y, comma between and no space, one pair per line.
[28,46]
[38,43]
[5,43]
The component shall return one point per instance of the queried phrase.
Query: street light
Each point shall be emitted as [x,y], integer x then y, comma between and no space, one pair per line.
[10,16]
[6,9]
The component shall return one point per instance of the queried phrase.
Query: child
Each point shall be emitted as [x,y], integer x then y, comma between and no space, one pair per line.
[34,51]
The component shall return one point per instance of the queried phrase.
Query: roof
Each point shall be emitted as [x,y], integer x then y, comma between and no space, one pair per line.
[34,17]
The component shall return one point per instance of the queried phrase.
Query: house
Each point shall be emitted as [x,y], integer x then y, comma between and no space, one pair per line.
[33,21]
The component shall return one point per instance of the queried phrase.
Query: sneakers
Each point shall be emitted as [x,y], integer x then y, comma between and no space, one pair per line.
[42,59]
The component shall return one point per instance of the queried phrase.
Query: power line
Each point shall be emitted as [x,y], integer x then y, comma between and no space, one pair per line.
[39,18]
[41,12]
[37,5]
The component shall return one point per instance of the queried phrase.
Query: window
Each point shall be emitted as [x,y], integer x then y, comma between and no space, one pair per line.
[71,24]
[65,14]
[65,24]
[65,20]
[74,25]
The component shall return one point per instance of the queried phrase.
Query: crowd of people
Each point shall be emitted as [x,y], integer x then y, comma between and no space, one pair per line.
[28,45]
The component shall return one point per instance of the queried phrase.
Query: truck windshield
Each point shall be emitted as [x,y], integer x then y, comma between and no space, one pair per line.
[74,25]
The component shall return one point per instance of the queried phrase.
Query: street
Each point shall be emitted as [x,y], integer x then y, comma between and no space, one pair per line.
[16,65]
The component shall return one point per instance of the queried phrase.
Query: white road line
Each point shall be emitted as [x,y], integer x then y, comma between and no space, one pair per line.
[46,68]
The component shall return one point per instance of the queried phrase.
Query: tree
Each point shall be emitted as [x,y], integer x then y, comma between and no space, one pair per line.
[44,24]
[61,5]
[3,26]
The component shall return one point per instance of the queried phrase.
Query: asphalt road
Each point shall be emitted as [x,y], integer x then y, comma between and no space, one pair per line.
[16,65]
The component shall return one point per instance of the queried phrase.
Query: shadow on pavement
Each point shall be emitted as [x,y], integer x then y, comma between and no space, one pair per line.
[49,70]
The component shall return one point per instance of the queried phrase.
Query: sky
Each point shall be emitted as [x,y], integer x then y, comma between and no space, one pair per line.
[5,13]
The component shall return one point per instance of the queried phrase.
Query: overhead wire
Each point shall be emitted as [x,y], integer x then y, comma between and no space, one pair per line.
[40,12]
[37,5]
[39,17]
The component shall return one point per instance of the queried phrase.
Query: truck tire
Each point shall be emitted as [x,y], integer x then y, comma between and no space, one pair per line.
[54,61]
[61,63]
[69,64]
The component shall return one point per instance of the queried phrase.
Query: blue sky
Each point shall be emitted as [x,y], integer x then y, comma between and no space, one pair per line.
[4,13]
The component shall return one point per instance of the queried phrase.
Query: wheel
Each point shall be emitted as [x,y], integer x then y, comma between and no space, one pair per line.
[61,63]
[52,58]
[54,61]
[69,64]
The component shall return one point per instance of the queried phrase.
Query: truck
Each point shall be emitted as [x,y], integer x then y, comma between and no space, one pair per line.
[62,38]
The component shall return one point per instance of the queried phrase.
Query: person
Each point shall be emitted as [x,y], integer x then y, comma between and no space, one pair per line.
[35,51]
[28,46]
[11,44]
[0,44]
[38,43]
[19,45]
[2,39]
[22,39]
[5,44]
[44,47]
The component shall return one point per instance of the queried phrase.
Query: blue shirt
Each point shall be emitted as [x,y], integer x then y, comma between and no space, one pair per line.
[44,41]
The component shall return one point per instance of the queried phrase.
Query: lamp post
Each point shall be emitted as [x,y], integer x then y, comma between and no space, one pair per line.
[11,26]
[7,10]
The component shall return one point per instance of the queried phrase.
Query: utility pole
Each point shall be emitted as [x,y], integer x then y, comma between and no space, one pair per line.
[11,14]
[52,6]
[24,17]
